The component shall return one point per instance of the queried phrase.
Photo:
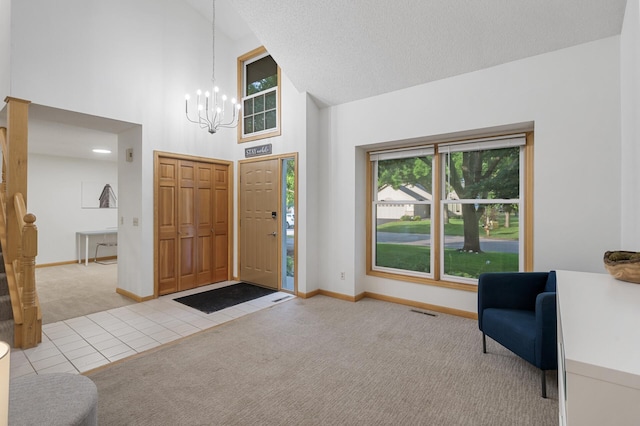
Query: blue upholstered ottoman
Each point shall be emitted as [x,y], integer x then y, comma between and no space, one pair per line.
[53,399]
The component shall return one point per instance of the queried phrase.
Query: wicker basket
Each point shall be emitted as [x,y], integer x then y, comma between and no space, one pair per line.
[623,265]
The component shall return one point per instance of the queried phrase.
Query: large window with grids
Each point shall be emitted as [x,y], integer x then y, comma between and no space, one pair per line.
[447,212]
[259,79]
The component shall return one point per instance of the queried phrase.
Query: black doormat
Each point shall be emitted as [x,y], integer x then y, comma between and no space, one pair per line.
[220,298]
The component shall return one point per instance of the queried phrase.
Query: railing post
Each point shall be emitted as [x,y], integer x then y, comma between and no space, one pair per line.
[30,328]
[3,184]
[16,175]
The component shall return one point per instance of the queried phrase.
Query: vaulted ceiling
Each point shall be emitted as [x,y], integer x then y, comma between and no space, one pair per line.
[340,51]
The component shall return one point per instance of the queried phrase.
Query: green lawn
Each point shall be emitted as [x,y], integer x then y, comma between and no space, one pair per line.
[453,228]
[470,265]
[402,256]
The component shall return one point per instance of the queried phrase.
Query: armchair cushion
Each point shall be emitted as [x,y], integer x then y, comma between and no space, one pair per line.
[518,310]
[515,329]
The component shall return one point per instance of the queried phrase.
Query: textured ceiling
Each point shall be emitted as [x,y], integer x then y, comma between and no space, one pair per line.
[340,51]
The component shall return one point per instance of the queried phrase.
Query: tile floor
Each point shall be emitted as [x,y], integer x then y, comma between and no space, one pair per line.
[84,343]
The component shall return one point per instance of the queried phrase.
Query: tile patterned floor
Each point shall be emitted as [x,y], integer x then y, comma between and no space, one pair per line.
[84,343]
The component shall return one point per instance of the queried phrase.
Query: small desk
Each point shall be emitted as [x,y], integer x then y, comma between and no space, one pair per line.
[87,234]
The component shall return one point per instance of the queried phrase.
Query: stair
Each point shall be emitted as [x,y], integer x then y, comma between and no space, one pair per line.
[6,313]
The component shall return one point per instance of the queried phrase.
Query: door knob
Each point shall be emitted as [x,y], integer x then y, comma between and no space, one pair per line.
[273,234]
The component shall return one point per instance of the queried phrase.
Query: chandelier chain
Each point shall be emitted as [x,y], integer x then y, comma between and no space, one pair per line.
[210,107]
[213,42]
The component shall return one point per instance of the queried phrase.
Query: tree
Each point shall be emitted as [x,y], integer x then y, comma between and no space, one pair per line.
[262,84]
[291,182]
[405,171]
[486,174]
[415,171]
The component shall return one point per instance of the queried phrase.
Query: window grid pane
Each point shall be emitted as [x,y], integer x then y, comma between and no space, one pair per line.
[248,107]
[402,209]
[258,103]
[258,117]
[497,229]
[258,122]
[403,244]
[248,125]
[270,100]
[270,120]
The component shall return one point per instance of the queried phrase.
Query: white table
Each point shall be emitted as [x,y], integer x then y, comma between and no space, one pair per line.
[86,235]
[598,350]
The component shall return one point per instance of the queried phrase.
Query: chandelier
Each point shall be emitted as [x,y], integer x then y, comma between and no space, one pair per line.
[211,108]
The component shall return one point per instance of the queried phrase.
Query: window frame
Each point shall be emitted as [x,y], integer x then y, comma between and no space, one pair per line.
[243,61]
[436,276]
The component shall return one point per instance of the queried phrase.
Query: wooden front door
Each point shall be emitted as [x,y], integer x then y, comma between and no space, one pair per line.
[259,222]
[192,222]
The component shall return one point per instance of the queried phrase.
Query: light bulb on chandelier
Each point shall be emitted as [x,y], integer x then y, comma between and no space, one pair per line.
[211,114]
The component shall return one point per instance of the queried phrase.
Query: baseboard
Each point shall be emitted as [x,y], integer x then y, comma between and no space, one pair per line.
[340,295]
[46,265]
[70,262]
[132,296]
[406,302]
[421,305]
[308,295]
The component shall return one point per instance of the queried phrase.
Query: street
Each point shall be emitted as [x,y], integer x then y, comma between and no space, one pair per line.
[486,244]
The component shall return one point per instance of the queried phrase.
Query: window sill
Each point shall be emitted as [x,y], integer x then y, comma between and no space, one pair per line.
[426,281]
[259,136]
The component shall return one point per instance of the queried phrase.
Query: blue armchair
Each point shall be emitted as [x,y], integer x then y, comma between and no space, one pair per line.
[518,310]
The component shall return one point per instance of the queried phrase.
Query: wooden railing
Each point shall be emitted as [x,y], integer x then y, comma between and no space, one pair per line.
[18,233]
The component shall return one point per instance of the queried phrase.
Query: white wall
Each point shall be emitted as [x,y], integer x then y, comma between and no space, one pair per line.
[572,96]
[630,94]
[130,254]
[55,197]
[5,47]
[128,60]
[309,207]
[134,61]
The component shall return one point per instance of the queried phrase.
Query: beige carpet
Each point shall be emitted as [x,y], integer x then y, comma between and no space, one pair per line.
[74,290]
[323,361]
